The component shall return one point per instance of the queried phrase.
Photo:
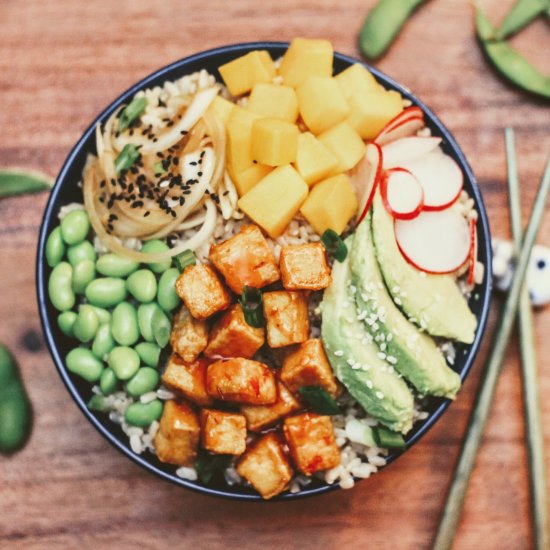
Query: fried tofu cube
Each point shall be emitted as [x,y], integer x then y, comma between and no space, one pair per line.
[232,336]
[241,74]
[306,57]
[310,438]
[266,467]
[202,291]
[189,336]
[274,100]
[241,380]
[287,320]
[246,179]
[308,366]
[356,79]
[245,259]
[304,267]
[274,141]
[313,160]
[223,432]
[188,379]
[259,417]
[177,439]
[345,144]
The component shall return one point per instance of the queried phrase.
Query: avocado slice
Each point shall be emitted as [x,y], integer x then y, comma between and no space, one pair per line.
[354,357]
[433,302]
[411,352]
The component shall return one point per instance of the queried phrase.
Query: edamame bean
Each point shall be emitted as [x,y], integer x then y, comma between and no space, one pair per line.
[142,285]
[145,380]
[106,291]
[113,265]
[83,275]
[60,287]
[65,322]
[145,320]
[86,324]
[102,314]
[85,364]
[55,247]
[124,361]
[162,327]
[143,414]
[124,324]
[97,403]
[167,297]
[103,341]
[108,381]
[75,226]
[149,353]
[80,252]
[155,247]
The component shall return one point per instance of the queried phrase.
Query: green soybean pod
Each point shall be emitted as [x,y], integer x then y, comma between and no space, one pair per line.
[167,297]
[75,227]
[113,265]
[103,342]
[84,363]
[106,291]
[145,380]
[142,285]
[149,353]
[108,381]
[124,361]
[124,324]
[55,247]
[161,327]
[145,320]
[155,247]
[83,275]
[79,252]
[103,315]
[65,322]
[143,414]
[86,324]
[60,287]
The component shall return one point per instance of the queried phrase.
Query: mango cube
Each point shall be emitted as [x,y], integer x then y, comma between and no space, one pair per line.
[313,160]
[345,144]
[274,141]
[239,138]
[322,104]
[245,180]
[356,79]
[274,201]
[273,100]
[306,57]
[242,73]
[331,204]
[222,108]
[371,111]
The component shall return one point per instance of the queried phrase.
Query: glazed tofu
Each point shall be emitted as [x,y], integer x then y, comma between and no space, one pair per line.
[266,467]
[311,441]
[202,291]
[259,417]
[189,335]
[308,366]
[241,381]
[177,439]
[245,259]
[223,432]
[232,336]
[287,320]
[188,378]
[304,267]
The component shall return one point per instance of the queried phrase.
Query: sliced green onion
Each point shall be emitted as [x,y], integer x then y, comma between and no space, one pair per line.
[127,157]
[158,169]
[251,302]
[207,465]
[319,400]
[131,112]
[388,439]
[335,245]
[185,259]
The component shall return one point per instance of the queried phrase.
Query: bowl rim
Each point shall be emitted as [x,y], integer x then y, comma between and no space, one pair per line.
[79,148]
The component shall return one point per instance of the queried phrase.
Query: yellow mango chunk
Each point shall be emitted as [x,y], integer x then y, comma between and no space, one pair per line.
[239,138]
[306,57]
[244,181]
[313,160]
[242,73]
[345,144]
[331,204]
[356,78]
[274,201]
[221,108]
[273,100]
[321,102]
[274,141]
[371,111]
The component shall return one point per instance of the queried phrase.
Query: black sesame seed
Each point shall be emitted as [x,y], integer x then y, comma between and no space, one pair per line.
[541,264]
[199,174]
[146,214]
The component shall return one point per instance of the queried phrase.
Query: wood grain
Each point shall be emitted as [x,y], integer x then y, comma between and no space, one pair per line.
[60,63]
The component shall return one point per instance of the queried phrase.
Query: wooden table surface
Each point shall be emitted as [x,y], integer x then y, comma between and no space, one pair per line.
[61,61]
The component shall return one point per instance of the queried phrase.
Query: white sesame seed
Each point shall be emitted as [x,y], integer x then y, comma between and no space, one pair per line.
[383,346]
[369,384]
[389,337]
[380,395]
[381,355]
[338,353]
[350,362]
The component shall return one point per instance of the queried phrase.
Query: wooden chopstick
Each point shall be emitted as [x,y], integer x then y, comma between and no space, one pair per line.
[482,406]
[531,398]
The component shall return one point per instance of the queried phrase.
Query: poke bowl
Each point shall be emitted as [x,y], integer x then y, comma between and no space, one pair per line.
[264,271]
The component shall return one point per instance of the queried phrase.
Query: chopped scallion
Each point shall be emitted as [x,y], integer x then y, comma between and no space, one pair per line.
[319,400]
[389,439]
[158,169]
[131,112]
[207,465]
[335,245]
[251,302]
[185,259]
[127,157]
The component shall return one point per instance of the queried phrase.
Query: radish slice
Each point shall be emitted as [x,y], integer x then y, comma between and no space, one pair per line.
[408,149]
[473,252]
[406,123]
[440,177]
[434,242]
[402,194]
[366,177]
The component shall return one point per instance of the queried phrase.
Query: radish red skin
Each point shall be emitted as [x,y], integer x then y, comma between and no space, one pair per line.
[473,252]
[377,170]
[409,115]
[409,215]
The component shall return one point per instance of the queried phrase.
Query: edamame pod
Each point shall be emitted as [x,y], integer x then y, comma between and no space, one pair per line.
[106,291]
[145,320]
[103,341]
[108,381]
[75,227]
[161,327]
[145,380]
[84,363]
[124,361]
[142,285]
[65,322]
[113,265]
[55,247]
[60,288]
[79,252]
[86,324]
[124,324]
[167,297]
[143,414]
[521,14]
[149,353]
[154,247]
[83,275]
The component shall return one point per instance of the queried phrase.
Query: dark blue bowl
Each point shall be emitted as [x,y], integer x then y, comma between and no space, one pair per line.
[66,191]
